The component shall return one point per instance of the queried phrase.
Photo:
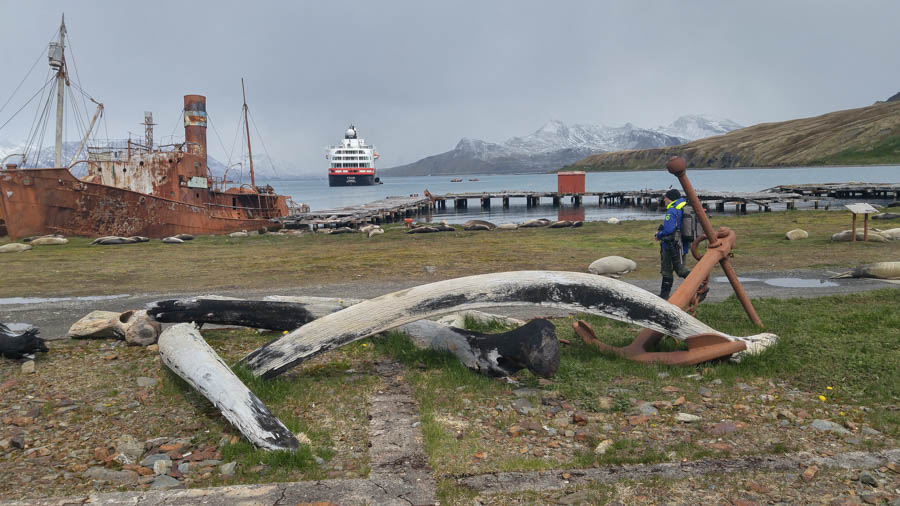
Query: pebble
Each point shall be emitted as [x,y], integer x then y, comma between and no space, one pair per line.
[129,447]
[869,431]
[705,392]
[144,382]
[523,406]
[867,478]
[28,367]
[184,467]
[810,473]
[687,418]
[18,441]
[103,474]
[825,425]
[150,460]
[319,460]
[227,469]
[603,446]
[743,386]
[164,482]
[162,466]
[647,409]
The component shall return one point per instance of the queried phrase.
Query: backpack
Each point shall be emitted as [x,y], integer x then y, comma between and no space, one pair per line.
[688,226]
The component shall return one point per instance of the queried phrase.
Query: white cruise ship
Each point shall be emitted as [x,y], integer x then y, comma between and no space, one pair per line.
[352,162]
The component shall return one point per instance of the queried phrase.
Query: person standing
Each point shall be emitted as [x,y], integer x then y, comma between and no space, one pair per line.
[671,247]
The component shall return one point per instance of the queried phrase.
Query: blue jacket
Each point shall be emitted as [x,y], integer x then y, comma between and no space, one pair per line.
[672,222]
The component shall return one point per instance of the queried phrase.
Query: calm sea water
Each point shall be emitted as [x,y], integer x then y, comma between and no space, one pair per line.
[319,196]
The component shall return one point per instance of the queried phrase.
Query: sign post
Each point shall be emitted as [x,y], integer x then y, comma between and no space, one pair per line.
[865,210]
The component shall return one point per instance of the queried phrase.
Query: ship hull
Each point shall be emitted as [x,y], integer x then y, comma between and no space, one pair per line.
[351,180]
[46,201]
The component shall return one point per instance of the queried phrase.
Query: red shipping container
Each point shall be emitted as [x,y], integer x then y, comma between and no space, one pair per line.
[570,183]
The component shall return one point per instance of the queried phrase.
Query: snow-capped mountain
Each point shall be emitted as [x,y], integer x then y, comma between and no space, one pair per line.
[556,144]
[698,126]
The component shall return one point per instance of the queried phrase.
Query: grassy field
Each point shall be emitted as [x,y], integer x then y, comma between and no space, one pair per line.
[220,262]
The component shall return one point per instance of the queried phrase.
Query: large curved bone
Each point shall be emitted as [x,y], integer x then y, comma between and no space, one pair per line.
[570,290]
[185,352]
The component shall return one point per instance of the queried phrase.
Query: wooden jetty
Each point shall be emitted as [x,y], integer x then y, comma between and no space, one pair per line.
[395,209]
[387,210]
[842,190]
[623,198]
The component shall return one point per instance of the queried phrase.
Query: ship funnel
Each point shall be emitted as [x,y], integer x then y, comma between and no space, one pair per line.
[195,129]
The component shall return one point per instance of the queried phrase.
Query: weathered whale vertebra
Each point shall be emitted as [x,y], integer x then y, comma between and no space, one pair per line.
[571,290]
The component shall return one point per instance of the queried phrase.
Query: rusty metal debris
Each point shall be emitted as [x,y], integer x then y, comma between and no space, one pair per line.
[701,347]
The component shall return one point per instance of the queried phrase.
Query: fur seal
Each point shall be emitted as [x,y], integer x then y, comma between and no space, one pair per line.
[846,235]
[561,224]
[612,266]
[576,224]
[793,235]
[367,228]
[36,237]
[375,231]
[342,230]
[478,225]
[539,222]
[242,233]
[14,247]
[613,221]
[139,238]
[172,240]
[886,216]
[184,237]
[507,226]
[878,270]
[892,233]
[112,239]
[423,230]
[49,241]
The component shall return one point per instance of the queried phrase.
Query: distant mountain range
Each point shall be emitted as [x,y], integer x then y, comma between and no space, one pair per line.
[556,144]
[867,135]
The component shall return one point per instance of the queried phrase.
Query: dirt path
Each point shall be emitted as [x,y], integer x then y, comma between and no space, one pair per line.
[55,318]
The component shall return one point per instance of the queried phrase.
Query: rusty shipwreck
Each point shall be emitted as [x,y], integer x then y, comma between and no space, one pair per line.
[135,189]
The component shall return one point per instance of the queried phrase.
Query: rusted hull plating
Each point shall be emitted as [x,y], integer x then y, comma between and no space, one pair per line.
[44,201]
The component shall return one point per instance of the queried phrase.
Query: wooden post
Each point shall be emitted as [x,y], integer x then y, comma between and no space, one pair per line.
[865,228]
[853,228]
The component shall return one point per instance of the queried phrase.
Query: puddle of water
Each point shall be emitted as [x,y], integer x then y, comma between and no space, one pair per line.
[39,300]
[800,283]
[784,282]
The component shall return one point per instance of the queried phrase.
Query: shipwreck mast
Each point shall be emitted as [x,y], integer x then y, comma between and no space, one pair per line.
[57,57]
[247,128]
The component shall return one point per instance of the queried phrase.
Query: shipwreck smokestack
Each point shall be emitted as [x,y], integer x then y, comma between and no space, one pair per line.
[195,129]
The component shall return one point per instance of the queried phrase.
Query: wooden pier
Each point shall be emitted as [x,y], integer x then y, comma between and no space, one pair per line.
[624,198]
[396,209]
[842,190]
[387,210]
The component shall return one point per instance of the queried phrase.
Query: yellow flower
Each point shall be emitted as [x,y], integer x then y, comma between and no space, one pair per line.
[364,345]
[842,413]
[828,388]
[822,398]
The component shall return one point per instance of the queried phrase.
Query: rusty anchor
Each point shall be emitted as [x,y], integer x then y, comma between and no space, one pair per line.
[702,347]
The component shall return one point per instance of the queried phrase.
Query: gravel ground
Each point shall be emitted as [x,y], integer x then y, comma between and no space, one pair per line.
[54,318]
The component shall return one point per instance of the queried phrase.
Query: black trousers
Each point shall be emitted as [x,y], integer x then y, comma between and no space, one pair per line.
[670,259]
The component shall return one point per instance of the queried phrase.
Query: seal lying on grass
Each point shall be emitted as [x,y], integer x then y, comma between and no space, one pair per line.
[14,247]
[878,270]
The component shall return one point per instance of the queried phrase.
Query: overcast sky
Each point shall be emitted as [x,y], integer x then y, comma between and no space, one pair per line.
[416,76]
